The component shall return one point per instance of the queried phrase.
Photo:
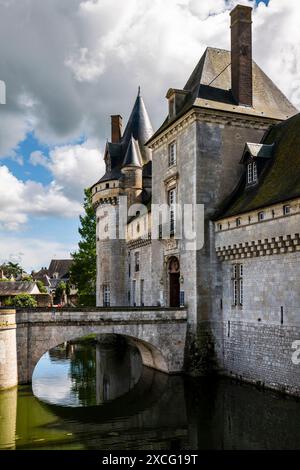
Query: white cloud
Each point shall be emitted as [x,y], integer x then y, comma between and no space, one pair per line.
[67,68]
[32,253]
[20,199]
[38,158]
[73,168]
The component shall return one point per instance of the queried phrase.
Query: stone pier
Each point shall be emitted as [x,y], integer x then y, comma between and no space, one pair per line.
[8,349]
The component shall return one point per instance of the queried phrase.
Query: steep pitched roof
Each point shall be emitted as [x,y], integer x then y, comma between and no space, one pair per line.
[139,127]
[18,287]
[280,179]
[209,87]
[60,266]
[133,155]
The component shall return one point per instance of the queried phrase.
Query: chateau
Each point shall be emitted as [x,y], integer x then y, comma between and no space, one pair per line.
[231,141]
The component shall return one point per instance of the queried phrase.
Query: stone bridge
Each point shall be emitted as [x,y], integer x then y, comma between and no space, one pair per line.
[25,335]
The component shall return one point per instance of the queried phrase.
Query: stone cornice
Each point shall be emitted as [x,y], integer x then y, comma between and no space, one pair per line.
[139,242]
[212,116]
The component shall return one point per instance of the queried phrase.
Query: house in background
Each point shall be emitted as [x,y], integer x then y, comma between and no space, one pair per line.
[9,289]
[52,277]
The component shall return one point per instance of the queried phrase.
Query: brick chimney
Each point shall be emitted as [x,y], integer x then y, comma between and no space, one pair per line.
[241,55]
[116,128]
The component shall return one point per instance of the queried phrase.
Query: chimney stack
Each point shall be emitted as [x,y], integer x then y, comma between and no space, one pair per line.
[241,55]
[116,128]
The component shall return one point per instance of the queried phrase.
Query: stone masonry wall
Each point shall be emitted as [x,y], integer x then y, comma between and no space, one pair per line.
[262,354]
[258,335]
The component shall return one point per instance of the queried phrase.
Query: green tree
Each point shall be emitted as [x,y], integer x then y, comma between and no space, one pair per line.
[41,287]
[11,269]
[83,270]
[21,300]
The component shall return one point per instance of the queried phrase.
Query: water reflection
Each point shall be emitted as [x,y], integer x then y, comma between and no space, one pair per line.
[87,372]
[131,407]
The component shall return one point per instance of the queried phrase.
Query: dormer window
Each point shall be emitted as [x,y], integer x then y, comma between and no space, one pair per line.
[172,153]
[176,100]
[252,173]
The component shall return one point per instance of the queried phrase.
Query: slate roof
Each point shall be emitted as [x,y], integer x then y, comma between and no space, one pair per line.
[140,129]
[209,87]
[17,287]
[133,155]
[280,178]
[60,266]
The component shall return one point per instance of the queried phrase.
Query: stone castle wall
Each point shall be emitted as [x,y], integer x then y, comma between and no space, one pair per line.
[258,335]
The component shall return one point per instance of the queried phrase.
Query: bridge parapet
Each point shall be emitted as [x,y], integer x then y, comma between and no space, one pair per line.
[101,315]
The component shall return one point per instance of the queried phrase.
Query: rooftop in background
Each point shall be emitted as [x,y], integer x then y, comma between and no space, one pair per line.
[8,288]
[61,267]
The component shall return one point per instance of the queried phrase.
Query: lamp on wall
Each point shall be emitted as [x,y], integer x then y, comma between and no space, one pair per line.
[181,279]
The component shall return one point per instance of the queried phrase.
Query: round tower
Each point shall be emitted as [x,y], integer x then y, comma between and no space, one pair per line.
[125,158]
[133,172]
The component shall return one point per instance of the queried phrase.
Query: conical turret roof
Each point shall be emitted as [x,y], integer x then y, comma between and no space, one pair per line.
[133,155]
[139,127]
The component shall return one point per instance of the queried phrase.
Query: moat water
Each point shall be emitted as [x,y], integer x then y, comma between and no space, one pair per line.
[97,395]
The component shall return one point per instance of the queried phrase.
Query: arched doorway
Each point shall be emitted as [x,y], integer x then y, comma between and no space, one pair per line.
[174,284]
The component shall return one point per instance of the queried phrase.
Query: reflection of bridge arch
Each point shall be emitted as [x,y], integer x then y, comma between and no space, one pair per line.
[159,334]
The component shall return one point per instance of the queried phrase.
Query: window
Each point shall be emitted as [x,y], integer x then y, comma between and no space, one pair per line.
[106,295]
[137,261]
[286,209]
[172,153]
[107,185]
[134,292]
[172,205]
[238,222]
[237,285]
[142,292]
[219,226]
[261,216]
[252,173]
[181,298]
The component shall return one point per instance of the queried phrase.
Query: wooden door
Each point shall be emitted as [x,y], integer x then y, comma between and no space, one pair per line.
[174,290]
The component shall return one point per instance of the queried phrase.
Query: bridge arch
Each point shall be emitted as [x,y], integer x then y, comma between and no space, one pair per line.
[151,356]
[159,334]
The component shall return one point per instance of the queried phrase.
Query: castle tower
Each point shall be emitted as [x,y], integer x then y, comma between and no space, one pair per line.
[128,167]
[133,172]
[227,101]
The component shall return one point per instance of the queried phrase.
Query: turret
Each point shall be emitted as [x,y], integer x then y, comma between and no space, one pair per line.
[133,172]
[128,172]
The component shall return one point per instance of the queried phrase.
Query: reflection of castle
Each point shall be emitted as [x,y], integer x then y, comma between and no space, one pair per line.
[118,369]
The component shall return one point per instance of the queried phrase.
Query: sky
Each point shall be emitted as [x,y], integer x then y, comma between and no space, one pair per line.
[69,64]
